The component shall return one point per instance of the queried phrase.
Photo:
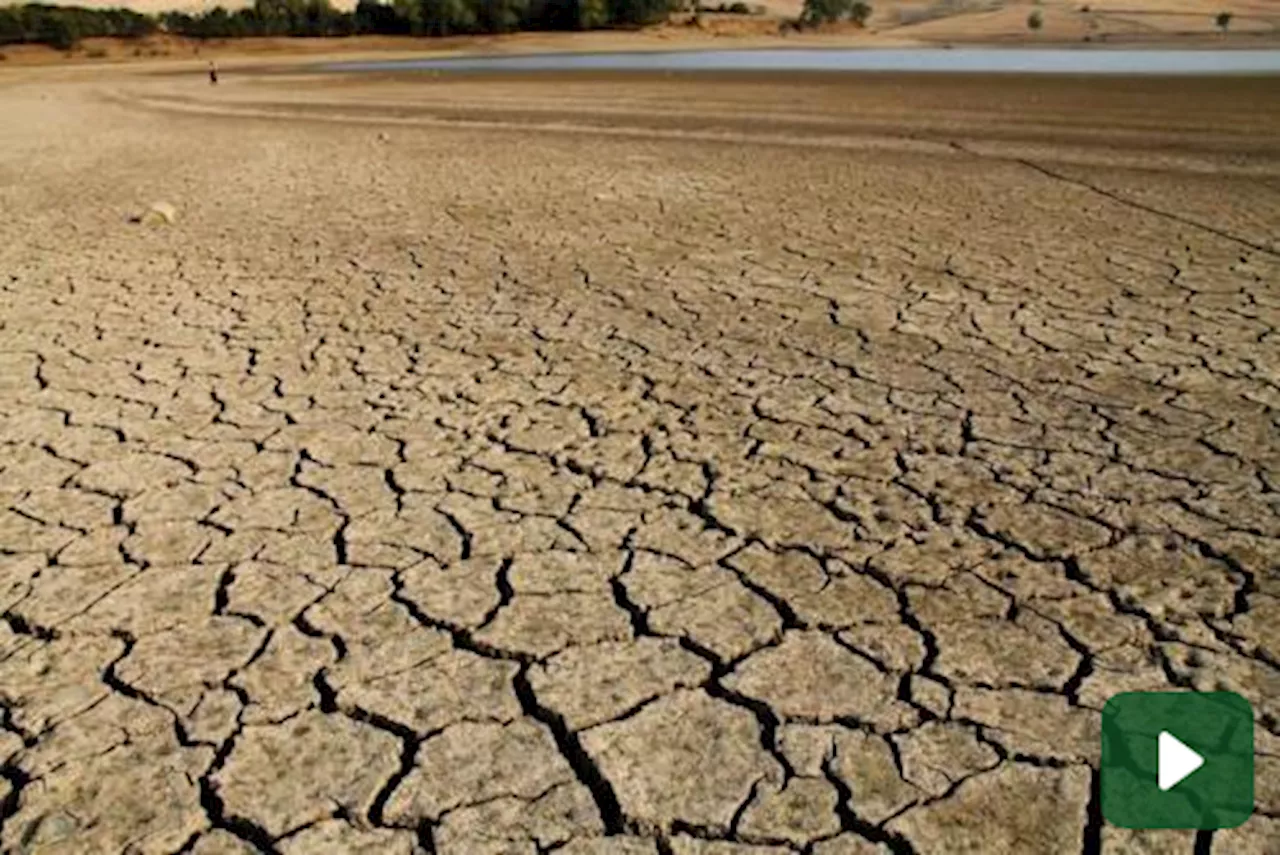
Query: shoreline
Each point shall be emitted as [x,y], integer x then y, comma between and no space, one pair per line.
[340,61]
[159,50]
[1037,62]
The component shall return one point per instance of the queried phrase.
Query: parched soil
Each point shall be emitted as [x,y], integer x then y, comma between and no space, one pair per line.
[683,465]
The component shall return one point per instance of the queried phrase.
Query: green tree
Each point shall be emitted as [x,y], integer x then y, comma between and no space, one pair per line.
[62,33]
[11,30]
[590,14]
[500,16]
[1223,20]
[638,12]
[448,17]
[374,16]
[216,24]
[279,17]
[1035,20]
[825,11]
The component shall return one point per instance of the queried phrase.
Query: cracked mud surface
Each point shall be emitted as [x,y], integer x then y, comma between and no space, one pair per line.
[669,467]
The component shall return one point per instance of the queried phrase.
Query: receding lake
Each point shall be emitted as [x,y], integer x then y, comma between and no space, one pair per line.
[984,60]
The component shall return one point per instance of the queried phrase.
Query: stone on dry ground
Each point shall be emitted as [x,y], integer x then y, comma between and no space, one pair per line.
[792,467]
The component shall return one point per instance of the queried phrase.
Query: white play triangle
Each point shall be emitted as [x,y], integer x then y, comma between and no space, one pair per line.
[1176,761]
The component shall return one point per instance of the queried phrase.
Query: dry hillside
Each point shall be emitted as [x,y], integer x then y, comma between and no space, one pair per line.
[967,20]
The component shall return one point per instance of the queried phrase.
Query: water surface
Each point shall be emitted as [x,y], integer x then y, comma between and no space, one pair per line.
[973,60]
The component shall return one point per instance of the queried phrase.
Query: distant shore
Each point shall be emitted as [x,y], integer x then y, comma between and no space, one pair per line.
[1067,27]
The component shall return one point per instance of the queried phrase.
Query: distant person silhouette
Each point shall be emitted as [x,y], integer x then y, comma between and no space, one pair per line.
[213,74]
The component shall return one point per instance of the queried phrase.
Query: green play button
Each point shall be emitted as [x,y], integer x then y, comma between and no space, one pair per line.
[1177,760]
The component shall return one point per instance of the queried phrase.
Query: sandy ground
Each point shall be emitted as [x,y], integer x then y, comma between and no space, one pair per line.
[694,465]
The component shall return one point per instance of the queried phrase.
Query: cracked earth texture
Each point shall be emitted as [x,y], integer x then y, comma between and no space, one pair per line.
[685,466]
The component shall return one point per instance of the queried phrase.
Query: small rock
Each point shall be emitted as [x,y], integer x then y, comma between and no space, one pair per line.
[384,137]
[158,214]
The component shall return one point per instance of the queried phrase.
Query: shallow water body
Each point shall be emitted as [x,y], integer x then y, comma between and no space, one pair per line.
[984,60]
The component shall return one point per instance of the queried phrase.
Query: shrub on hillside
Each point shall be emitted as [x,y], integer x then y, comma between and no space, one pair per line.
[830,11]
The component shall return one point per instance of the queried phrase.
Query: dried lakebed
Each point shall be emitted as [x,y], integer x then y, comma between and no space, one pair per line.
[708,467]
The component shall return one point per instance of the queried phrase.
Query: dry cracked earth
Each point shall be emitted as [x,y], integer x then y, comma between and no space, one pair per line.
[655,466]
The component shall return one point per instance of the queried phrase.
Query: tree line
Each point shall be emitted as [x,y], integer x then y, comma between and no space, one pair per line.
[63,26]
